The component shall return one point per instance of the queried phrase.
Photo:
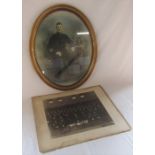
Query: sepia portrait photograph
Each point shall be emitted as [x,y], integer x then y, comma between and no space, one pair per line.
[63,47]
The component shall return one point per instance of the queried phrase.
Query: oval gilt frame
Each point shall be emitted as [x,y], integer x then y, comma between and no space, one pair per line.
[87,23]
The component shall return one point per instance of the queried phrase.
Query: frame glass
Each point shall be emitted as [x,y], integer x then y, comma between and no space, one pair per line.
[63,47]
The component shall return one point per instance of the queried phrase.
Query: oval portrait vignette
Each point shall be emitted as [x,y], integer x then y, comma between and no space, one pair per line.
[63,47]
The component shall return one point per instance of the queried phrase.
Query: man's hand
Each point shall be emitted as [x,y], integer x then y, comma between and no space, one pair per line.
[59,53]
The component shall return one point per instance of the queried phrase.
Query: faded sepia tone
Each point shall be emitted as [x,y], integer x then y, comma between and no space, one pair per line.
[63,48]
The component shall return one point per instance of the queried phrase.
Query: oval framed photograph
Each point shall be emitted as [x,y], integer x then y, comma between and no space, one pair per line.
[63,47]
